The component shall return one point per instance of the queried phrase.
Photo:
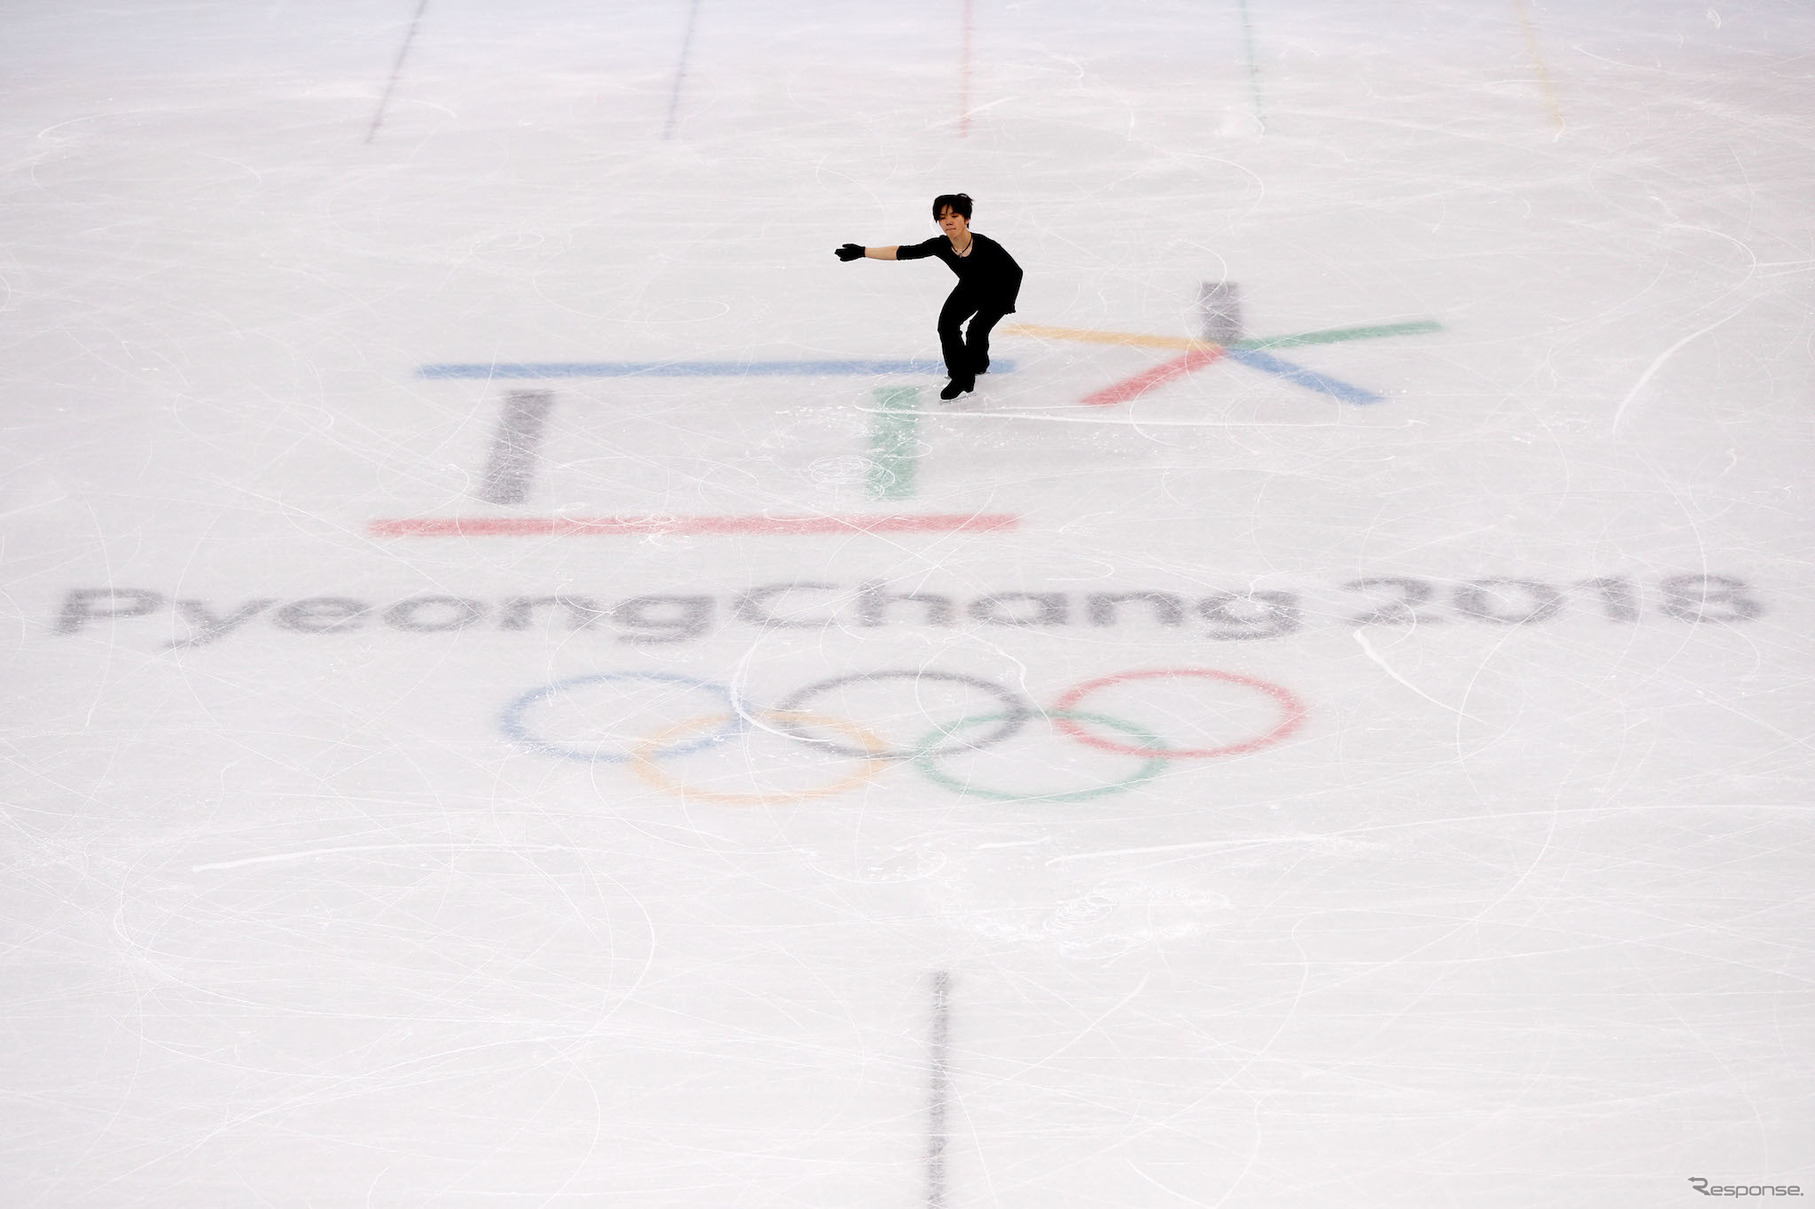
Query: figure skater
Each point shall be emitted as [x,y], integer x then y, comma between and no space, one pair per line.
[988,282]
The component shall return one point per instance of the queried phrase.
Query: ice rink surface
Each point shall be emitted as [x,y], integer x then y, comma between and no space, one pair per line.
[520,694]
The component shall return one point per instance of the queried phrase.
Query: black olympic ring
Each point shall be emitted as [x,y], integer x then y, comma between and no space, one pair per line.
[1017,711]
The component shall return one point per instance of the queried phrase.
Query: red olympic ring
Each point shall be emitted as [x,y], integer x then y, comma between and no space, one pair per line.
[1292,714]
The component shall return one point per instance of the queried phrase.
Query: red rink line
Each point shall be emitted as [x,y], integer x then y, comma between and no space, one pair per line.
[1160,374]
[583,526]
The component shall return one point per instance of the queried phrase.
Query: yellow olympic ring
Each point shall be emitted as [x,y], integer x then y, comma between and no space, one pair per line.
[643,759]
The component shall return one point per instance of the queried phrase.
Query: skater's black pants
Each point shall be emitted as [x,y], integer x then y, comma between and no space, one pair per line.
[966,354]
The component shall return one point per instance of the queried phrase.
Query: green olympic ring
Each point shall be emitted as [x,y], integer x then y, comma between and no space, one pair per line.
[926,754]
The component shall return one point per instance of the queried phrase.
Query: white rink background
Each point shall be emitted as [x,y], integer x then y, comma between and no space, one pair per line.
[1518,914]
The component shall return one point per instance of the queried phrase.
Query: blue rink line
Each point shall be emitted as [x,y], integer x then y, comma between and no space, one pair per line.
[1334,387]
[693,369]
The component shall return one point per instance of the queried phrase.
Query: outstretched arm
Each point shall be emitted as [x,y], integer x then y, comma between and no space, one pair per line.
[856,251]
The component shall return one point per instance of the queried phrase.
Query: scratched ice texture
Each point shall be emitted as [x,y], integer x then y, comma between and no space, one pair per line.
[1371,766]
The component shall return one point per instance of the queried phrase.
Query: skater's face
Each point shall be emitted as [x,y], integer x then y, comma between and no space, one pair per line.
[954,224]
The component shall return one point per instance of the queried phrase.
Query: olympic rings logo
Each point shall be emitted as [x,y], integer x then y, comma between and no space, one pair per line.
[864,723]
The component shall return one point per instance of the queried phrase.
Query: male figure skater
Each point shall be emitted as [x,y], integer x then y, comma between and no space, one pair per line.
[989,280]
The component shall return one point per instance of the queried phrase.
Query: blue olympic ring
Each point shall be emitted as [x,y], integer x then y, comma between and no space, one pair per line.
[737,721]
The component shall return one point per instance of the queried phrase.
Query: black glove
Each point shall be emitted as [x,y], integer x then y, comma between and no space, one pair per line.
[850,252]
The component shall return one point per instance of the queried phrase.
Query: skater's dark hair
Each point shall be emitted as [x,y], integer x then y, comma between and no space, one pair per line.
[959,202]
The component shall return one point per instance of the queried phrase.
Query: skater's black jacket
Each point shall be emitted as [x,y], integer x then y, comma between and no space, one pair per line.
[989,271]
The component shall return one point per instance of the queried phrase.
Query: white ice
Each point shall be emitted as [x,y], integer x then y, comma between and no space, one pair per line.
[1464,859]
